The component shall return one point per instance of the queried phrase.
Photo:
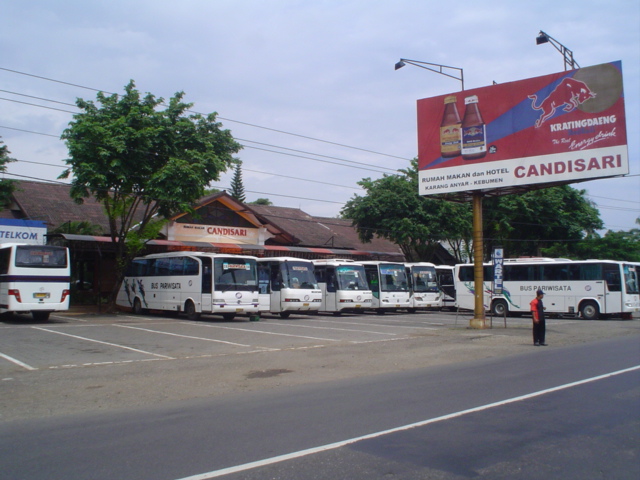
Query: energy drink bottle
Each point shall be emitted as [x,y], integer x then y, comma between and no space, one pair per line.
[474,132]
[450,129]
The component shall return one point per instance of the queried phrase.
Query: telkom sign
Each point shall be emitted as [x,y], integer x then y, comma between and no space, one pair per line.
[22,231]
[555,129]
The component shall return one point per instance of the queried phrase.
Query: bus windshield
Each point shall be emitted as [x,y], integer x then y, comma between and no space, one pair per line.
[351,278]
[40,256]
[424,279]
[393,278]
[298,275]
[231,273]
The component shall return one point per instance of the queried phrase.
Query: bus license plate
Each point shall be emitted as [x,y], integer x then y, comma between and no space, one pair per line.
[239,310]
[41,295]
[358,305]
[305,304]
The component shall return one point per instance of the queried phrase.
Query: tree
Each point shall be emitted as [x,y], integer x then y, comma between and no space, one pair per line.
[142,162]
[392,209]
[262,201]
[7,187]
[525,224]
[237,188]
[621,245]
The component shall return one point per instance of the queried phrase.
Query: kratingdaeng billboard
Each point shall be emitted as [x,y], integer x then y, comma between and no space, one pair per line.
[559,128]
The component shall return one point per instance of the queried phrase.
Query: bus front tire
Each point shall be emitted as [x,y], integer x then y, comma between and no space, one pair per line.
[285,314]
[500,308]
[190,311]
[228,316]
[589,311]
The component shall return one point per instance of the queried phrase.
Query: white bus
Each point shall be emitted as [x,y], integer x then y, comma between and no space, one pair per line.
[344,286]
[288,285]
[193,283]
[590,288]
[446,285]
[423,285]
[34,278]
[389,283]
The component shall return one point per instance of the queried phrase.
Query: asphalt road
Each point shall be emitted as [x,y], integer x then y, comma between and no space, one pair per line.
[507,411]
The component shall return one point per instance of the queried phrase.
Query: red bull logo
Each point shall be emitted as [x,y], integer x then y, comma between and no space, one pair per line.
[568,95]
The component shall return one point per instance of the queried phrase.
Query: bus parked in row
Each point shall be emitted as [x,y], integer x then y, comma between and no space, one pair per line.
[344,286]
[389,284]
[34,279]
[590,288]
[423,285]
[288,285]
[193,283]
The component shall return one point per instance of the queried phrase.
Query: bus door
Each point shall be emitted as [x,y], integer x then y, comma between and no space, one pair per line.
[329,299]
[270,283]
[613,290]
[373,280]
[207,283]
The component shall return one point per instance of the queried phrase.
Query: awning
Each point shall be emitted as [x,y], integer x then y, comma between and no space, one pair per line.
[233,247]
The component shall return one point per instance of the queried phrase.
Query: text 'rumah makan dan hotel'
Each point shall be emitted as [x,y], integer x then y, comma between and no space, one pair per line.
[555,129]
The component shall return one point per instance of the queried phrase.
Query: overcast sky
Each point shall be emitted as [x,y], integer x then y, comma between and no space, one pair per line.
[308,87]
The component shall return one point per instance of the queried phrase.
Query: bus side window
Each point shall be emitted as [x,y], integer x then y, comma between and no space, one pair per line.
[190,266]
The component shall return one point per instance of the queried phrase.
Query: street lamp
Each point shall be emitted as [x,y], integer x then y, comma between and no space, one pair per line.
[428,66]
[566,53]
[478,320]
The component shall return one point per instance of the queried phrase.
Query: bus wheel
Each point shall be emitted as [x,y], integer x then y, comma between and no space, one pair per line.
[337,314]
[500,308]
[589,311]
[380,311]
[285,314]
[40,316]
[412,310]
[137,307]
[190,310]
[228,316]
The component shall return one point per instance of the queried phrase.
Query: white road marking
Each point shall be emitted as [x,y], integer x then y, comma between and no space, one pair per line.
[17,362]
[333,446]
[297,325]
[183,336]
[267,333]
[104,343]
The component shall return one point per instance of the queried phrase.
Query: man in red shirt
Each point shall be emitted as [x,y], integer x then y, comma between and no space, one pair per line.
[537,312]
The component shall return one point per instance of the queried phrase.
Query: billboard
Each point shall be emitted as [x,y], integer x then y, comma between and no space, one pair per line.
[559,128]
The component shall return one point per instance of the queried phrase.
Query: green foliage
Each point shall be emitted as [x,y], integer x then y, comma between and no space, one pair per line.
[619,245]
[262,201]
[141,161]
[392,209]
[525,224]
[7,187]
[237,187]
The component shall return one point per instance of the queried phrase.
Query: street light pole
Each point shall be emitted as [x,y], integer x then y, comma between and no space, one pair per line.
[566,53]
[478,321]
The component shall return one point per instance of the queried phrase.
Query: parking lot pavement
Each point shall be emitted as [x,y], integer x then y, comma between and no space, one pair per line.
[83,360]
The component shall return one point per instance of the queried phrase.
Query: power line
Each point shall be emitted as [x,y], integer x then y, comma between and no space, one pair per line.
[221,118]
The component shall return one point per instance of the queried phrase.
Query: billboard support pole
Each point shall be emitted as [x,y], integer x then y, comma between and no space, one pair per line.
[478,321]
